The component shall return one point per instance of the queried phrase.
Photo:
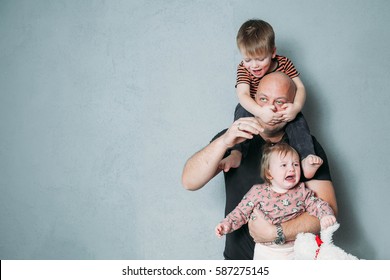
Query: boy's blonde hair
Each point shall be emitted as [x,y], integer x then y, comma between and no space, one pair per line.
[256,38]
[268,149]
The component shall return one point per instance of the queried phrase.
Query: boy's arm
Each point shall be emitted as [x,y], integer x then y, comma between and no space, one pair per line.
[265,113]
[263,231]
[245,99]
[292,109]
[300,95]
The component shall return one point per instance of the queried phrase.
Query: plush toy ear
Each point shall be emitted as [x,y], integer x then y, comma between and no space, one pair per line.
[327,234]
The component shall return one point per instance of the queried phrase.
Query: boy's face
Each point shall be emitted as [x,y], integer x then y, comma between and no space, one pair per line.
[285,170]
[258,65]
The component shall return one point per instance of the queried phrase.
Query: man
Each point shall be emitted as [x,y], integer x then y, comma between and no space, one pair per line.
[274,90]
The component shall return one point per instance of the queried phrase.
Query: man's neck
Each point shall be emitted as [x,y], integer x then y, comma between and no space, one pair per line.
[273,138]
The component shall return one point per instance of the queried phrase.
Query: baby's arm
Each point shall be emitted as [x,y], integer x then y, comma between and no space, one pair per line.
[266,113]
[318,207]
[327,221]
[292,109]
[240,215]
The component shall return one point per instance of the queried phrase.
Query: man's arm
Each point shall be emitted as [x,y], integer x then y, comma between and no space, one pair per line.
[262,231]
[203,166]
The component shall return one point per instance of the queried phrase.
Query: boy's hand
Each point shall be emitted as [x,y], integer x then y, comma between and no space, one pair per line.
[290,111]
[269,115]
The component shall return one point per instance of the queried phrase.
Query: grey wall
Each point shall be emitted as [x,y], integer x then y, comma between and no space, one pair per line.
[101,103]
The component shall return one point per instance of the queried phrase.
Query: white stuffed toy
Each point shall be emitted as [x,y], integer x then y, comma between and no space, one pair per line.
[310,247]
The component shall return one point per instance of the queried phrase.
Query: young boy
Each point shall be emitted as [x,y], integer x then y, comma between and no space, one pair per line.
[280,199]
[256,42]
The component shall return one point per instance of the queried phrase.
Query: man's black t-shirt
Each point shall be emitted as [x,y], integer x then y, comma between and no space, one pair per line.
[239,244]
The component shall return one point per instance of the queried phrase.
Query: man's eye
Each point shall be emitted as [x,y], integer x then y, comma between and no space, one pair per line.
[263,99]
[279,102]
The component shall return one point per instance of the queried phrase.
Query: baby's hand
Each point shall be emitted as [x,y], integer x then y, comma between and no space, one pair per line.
[221,230]
[290,111]
[327,221]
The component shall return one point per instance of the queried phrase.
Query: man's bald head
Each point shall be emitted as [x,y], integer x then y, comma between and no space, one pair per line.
[279,82]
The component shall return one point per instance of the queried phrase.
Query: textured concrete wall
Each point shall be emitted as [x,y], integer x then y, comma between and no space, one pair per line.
[101,103]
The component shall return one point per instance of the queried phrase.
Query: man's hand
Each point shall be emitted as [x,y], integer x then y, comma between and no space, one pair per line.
[261,230]
[241,130]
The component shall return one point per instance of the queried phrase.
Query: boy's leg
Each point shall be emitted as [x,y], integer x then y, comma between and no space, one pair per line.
[299,136]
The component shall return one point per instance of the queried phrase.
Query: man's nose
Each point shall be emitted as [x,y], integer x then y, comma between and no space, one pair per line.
[274,108]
